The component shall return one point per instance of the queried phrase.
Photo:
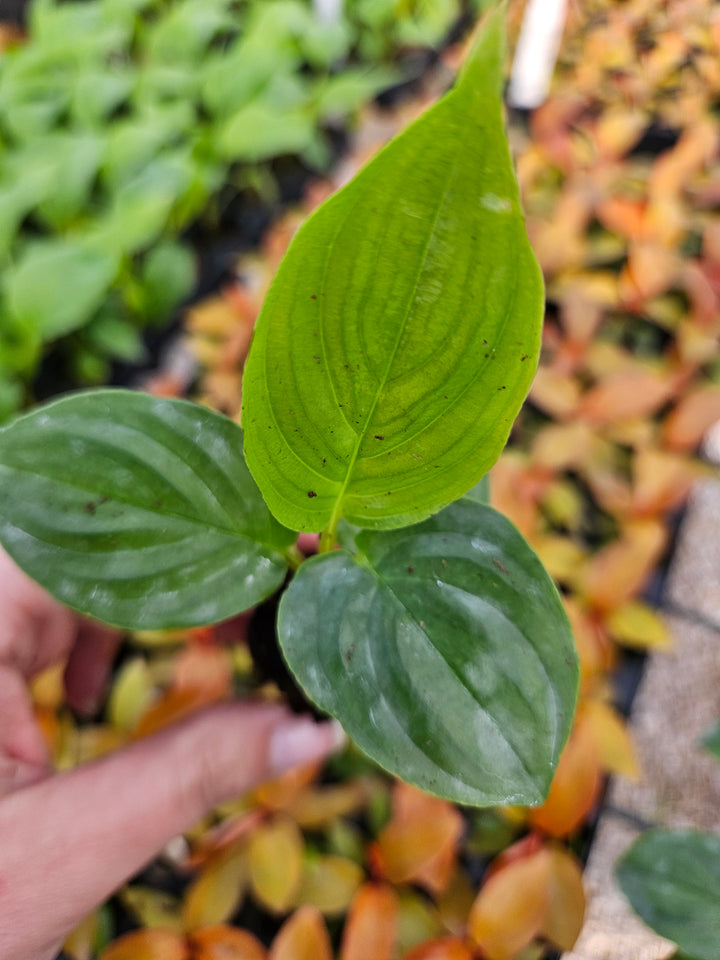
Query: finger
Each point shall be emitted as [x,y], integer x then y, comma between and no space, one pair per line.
[69,841]
[21,743]
[35,630]
[88,669]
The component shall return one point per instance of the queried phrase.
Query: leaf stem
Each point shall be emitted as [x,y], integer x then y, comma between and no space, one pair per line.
[293,557]
[328,538]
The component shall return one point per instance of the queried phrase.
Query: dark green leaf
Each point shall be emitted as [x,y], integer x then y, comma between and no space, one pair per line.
[116,338]
[137,511]
[444,651]
[402,331]
[58,284]
[672,879]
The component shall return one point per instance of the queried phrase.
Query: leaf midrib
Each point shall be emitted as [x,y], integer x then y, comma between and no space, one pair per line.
[337,509]
[238,535]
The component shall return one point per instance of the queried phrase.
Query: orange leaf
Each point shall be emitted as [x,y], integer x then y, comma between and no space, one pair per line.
[205,668]
[661,481]
[217,893]
[371,926]
[511,494]
[275,854]
[697,411]
[563,446]
[595,649]
[509,911]
[554,393]
[282,792]
[329,883]
[618,571]
[623,215]
[420,842]
[444,948]
[575,786]
[566,900]
[303,937]
[616,753]
[171,707]
[157,944]
[626,396]
[226,943]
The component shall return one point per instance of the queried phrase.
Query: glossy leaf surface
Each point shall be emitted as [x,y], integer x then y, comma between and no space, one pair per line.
[137,511]
[454,611]
[400,336]
[672,879]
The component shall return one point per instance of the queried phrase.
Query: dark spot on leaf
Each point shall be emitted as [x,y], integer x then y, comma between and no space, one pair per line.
[487,355]
[349,653]
[324,461]
[378,437]
[313,296]
[525,356]
[501,566]
[502,388]
[311,494]
[411,569]
[90,507]
[157,503]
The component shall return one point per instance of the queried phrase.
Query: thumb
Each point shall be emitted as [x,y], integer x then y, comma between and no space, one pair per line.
[71,840]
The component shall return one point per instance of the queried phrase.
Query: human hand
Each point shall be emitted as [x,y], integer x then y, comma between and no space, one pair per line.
[67,841]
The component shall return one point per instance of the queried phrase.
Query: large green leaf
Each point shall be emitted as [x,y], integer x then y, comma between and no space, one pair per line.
[672,879]
[137,511]
[401,334]
[444,651]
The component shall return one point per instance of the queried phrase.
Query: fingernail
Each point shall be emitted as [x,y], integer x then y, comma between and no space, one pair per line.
[301,741]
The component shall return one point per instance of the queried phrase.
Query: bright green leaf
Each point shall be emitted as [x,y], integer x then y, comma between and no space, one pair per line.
[137,511]
[58,284]
[672,879]
[402,331]
[351,88]
[444,651]
[168,276]
[99,91]
[257,132]
[76,160]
